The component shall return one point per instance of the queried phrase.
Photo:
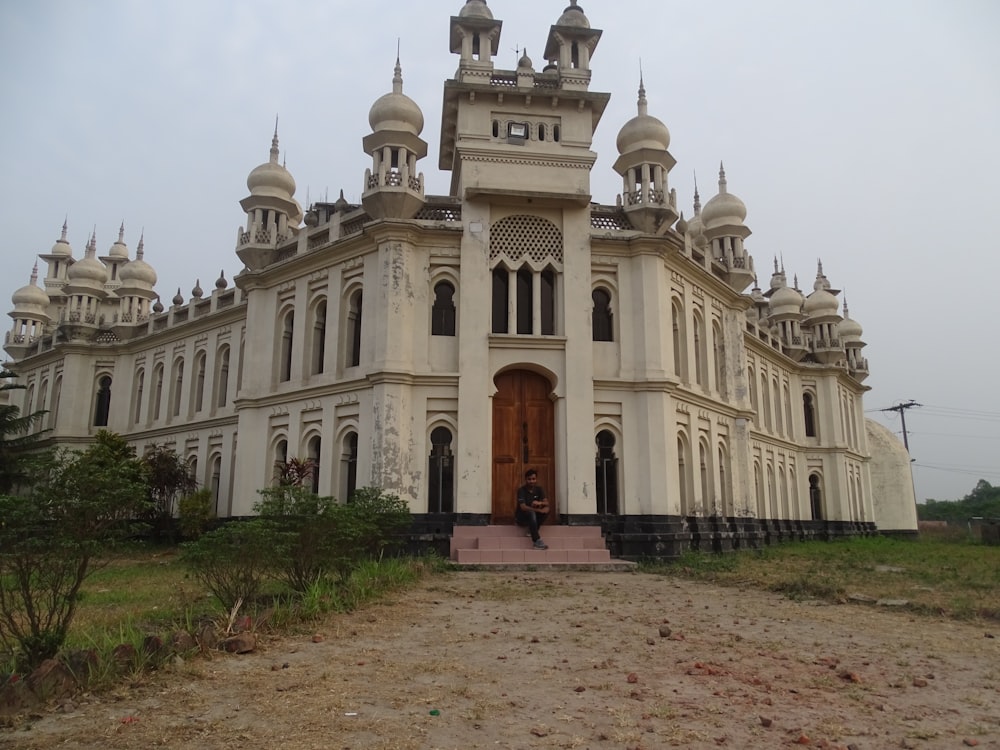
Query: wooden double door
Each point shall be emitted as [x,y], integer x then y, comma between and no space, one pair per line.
[523,438]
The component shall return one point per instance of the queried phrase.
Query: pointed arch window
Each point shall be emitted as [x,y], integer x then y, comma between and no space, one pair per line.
[441,484]
[719,352]
[222,380]
[501,289]
[102,407]
[199,381]
[280,459]
[285,355]
[317,349]
[140,381]
[443,310]
[809,414]
[354,315]
[216,483]
[601,316]
[349,465]
[314,451]
[607,473]
[177,388]
[56,394]
[815,498]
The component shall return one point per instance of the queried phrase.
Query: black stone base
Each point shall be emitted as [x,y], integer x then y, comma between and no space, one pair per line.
[652,537]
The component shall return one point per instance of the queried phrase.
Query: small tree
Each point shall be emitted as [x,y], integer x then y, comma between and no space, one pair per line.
[169,478]
[21,451]
[80,507]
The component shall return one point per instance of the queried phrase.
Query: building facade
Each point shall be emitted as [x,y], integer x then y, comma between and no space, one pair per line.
[437,346]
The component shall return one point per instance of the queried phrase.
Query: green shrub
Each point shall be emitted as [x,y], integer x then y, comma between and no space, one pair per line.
[232,561]
[194,513]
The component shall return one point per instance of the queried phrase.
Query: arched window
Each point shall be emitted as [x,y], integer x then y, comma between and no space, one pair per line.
[809,414]
[541,131]
[285,354]
[679,340]
[215,483]
[779,426]
[707,499]
[349,465]
[103,402]
[815,497]
[548,302]
[443,310]
[772,494]
[178,387]
[700,352]
[607,473]
[222,379]
[765,403]
[556,133]
[758,487]
[601,316]
[280,459]
[441,477]
[317,348]
[354,315]
[719,352]
[140,381]
[501,290]
[525,298]
[56,393]
[199,381]
[684,477]
[314,452]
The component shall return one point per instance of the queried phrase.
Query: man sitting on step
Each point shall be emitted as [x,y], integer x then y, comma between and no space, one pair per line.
[532,507]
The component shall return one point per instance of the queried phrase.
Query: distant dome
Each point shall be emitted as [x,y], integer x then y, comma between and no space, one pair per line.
[574,16]
[725,208]
[786,301]
[62,246]
[119,250]
[475,9]
[850,329]
[271,178]
[820,302]
[89,270]
[138,272]
[643,130]
[30,296]
[395,110]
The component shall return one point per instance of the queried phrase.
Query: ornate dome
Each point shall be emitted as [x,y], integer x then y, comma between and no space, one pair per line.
[395,110]
[525,61]
[821,302]
[475,9]
[89,270]
[643,130]
[30,296]
[138,272]
[725,208]
[62,246]
[786,301]
[119,250]
[271,178]
[849,329]
[574,16]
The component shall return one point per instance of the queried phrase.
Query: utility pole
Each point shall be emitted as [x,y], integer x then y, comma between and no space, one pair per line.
[901,408]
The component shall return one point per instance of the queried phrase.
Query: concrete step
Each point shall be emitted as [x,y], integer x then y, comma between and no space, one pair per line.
[510,547]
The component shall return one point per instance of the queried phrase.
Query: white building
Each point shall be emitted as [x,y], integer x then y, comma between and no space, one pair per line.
[437,346]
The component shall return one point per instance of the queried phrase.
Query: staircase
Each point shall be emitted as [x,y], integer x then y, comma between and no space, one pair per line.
[510,548]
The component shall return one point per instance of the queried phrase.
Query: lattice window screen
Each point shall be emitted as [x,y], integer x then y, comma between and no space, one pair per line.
[518,237]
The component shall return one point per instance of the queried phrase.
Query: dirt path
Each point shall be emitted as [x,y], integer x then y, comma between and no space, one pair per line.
[568,660]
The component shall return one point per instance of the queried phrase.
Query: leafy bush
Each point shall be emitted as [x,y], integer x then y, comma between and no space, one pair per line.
[233,561]
[80,506]
[194,512]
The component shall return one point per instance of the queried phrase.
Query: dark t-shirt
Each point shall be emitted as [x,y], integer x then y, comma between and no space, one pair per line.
[527,495]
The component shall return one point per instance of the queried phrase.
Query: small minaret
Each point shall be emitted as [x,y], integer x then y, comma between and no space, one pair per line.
[393,187]
[273,214]
[58,260]
[570,46]
[475,36]
[644,164]
[30,314]
[723,218]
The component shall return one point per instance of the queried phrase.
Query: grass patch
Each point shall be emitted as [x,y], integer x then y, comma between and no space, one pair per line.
[960,580]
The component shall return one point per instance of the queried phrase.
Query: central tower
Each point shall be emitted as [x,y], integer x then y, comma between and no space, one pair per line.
[521,132]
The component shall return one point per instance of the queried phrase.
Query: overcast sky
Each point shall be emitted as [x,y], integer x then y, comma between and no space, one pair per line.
[865,134]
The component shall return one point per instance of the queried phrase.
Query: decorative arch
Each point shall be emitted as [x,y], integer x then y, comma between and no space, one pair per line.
[441,468]
[679,337]
[685,473]
[316,355]
[809,415]
[286,336]
[102,400]
[606,459]
[602,314]
[816,499]
[443,309]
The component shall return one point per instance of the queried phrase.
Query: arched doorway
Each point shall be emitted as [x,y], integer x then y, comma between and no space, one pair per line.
[523,438]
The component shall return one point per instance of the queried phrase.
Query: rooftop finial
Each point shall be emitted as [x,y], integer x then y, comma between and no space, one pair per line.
[121,232]
[697,198]
[34,276]
[65,227]
[138,249]
[722,178]
[274,142]
[819,267]
[397,77]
